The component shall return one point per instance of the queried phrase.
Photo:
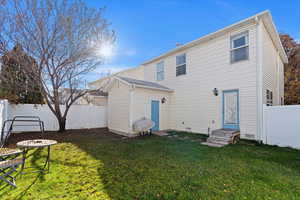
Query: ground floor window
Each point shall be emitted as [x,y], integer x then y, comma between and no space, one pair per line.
[269,98]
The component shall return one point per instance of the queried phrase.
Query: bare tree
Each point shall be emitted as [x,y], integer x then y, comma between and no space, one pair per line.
[64,37]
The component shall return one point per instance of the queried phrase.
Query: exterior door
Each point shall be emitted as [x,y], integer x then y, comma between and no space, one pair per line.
[155,114]
[231,109]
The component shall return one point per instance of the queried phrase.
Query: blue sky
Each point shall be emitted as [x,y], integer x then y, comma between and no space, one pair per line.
[147,28]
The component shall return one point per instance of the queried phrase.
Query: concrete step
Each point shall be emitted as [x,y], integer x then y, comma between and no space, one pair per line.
[212,144]
[223,133]
[221,137]
[226,137]
[219,140]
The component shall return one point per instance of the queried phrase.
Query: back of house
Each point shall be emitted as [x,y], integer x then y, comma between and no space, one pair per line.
[219,81]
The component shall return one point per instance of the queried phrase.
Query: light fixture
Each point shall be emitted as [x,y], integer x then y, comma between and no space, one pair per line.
[163,100]
[215,91]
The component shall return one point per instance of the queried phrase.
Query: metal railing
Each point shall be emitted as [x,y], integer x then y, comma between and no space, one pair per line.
[26,120]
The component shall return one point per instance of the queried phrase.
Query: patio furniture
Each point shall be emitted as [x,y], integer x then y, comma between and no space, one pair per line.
[7,167]
[26,145]
[7,128]
[143,126]
[6,153]
[8,164]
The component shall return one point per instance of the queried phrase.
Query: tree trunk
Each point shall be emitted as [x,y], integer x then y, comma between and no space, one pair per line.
[62,124]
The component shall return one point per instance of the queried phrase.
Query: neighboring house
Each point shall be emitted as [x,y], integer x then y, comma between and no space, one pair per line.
[92,97]
[218,81]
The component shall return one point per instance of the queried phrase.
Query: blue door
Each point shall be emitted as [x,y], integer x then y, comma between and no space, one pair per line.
[155,114]
[231,109]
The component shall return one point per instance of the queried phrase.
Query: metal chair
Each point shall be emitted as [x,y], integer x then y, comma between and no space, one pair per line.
[7,167]
[8,164]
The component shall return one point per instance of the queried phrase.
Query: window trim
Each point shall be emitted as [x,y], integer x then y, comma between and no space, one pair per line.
[162,71]
[179,65]
[232,49]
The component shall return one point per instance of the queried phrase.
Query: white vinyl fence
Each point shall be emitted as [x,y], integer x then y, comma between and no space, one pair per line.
[282,126]
[79,116]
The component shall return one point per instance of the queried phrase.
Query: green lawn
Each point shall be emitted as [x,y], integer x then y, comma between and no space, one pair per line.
[100,165]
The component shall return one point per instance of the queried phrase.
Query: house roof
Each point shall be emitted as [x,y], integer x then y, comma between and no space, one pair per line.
[144,84]
[98,93]
[114,74]
[265,16]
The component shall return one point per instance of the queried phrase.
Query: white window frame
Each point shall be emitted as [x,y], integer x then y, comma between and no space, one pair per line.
[233,49]
[181,64]
[160,71]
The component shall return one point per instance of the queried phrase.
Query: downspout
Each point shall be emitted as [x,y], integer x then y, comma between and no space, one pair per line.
[259,82]
[131,90]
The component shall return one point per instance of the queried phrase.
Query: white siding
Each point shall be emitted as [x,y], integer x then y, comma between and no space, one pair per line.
[194,107]
[141,106]
[136,73]
[118,107]
[273,77]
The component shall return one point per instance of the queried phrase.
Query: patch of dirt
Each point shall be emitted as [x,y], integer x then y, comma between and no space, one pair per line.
[69,135]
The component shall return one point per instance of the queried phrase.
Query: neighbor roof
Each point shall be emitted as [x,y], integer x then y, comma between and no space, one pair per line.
[265,16]
[144,84]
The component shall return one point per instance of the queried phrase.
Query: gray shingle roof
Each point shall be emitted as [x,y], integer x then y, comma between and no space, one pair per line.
[146,84]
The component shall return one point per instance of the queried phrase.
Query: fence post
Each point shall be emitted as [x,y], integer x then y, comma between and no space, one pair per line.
[3,115]
[264,124]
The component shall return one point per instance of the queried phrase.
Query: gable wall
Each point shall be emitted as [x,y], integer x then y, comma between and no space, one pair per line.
[273,77]
[119,107]
[141,105]
[194,107]
[136,73]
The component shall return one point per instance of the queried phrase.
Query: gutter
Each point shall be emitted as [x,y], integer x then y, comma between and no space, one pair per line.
[153,88]
[259,86]
[142,86]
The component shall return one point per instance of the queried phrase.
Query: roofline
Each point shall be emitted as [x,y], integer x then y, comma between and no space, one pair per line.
[153,88]
[281,50]
[142,86]
[114,74]
[215,34]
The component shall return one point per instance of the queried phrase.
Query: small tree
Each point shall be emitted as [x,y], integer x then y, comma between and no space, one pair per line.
[291,70]
[64,37]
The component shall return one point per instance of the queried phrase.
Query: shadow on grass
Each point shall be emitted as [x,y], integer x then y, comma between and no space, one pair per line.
[148,167]
[154,167]
[24,192]
[33,159]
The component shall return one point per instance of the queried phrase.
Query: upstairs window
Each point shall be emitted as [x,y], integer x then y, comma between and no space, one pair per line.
[160,72]
[269,98]
[239,45]
[180,65]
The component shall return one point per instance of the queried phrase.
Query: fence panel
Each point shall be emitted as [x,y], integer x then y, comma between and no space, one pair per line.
[79,116]
[282,126]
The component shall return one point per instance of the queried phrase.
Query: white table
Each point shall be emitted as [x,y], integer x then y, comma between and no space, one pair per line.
[26,145]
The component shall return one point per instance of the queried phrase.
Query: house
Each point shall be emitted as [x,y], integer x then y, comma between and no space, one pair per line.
[92,97]
[219,81]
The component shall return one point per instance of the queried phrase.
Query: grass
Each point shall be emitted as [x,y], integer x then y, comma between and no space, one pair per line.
[103,166]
